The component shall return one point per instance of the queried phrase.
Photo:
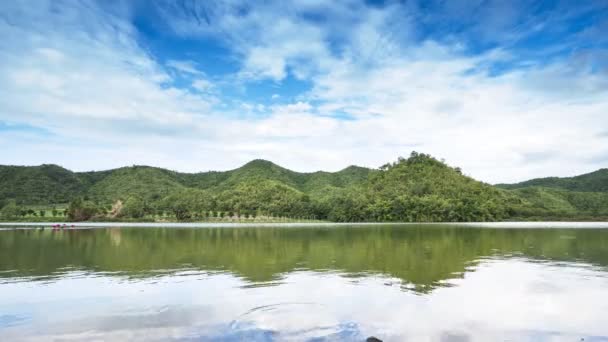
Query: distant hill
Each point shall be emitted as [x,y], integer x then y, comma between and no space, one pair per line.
[265,170]
[41,184]
[46,184]
[552,201]
[419,188]
[149,183]
[583,195]
[596,181]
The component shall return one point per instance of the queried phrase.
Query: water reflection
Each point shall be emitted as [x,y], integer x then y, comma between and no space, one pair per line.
[413,283]
[422,257]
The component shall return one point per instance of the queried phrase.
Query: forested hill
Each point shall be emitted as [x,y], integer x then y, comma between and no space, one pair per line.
[52,184]
[596,181]
[415,189]
[584,195]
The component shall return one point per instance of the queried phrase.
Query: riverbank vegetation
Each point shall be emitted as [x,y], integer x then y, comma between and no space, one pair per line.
[415,189]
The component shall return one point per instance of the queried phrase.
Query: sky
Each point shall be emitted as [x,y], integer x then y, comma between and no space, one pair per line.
[506,90]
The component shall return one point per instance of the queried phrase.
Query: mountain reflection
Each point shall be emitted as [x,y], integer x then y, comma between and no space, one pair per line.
[421,257]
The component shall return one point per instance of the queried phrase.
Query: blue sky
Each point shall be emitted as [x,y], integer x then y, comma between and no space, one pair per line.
[507,90]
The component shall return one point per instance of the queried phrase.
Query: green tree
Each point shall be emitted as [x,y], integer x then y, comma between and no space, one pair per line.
[133,207]
[80,210]
[10,211]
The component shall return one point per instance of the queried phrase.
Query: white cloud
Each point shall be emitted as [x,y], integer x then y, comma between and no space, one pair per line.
[490,125]
[108,102]
[65,80]
[188,67]
[202,84]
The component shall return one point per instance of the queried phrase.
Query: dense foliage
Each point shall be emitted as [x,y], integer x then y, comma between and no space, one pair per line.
[596,181]
[422,188]
[10,211]
[415,189]
[80,210]
[40,184]
[562,203]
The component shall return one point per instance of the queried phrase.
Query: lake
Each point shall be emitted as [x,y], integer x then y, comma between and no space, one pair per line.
[492,282]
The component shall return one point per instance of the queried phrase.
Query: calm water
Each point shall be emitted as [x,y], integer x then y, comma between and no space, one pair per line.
[398,283]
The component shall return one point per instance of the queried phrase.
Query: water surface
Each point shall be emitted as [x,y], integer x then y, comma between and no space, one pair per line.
[319,283]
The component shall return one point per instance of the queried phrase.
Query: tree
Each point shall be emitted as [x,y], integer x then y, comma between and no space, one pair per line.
[134,207]
[80,210]
[179,204]
[10,211]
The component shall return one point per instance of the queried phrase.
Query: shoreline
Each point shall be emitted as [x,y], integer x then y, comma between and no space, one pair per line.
[498,225]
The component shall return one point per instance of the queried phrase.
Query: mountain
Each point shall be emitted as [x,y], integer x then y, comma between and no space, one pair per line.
[596,181]
[40,184]
[46,184]
[583,195]
[149,183]
[419,188]
[552,202]
[265,170]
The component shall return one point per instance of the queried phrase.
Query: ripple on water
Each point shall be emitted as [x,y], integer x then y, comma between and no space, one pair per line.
[314,323]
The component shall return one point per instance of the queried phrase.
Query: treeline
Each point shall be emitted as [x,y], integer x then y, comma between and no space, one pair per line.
[250,200]
[419,188]
[12,211]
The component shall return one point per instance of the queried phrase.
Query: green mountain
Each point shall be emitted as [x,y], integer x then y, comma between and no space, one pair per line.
[40,184]
[583,195]
[258,170]
[415,189]
[51,184]
[551,202]
[149,183]
[596,181]
[420,189]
